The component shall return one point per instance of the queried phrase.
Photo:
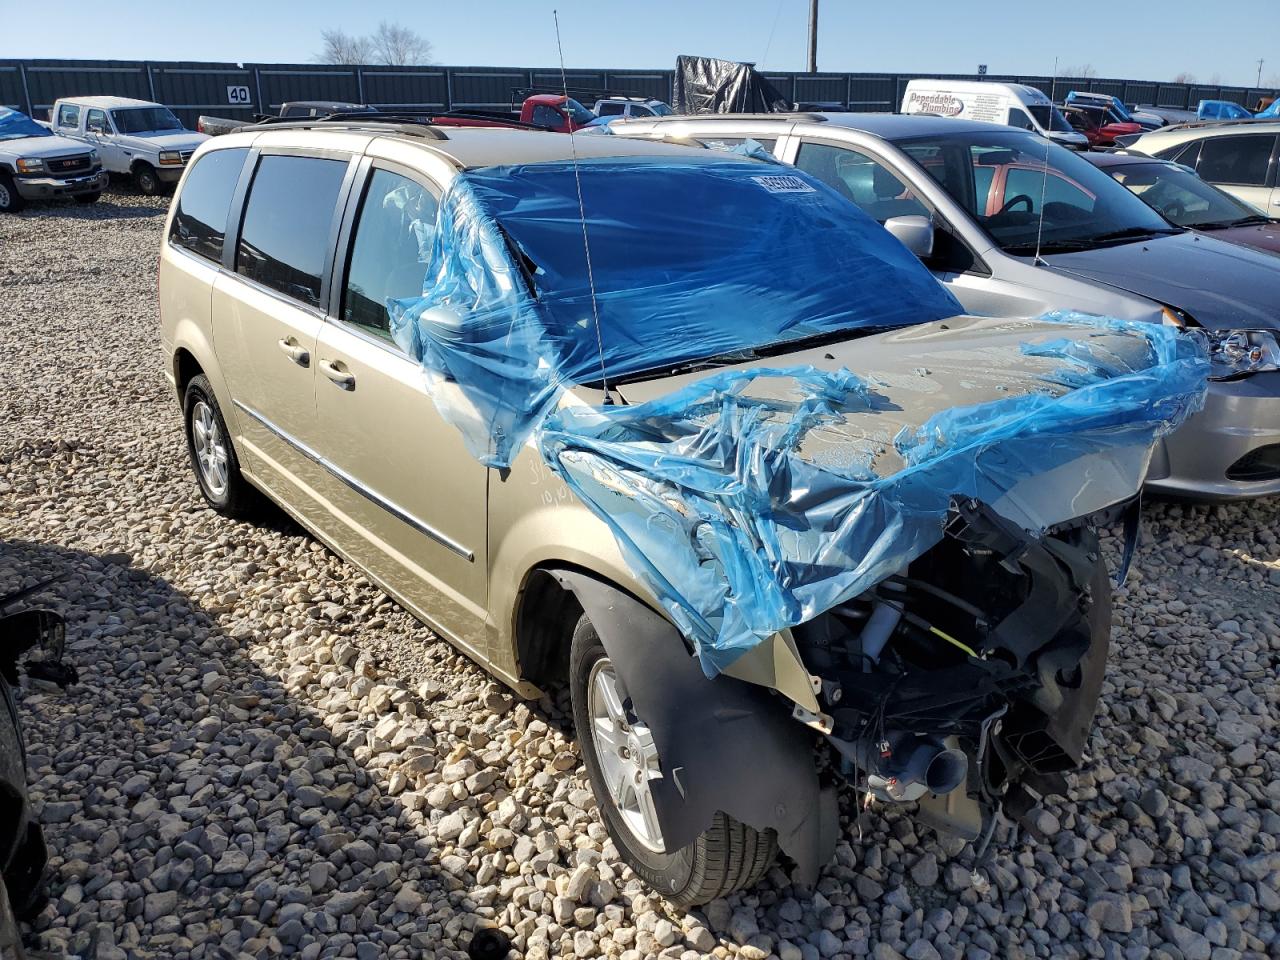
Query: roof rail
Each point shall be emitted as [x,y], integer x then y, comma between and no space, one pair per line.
[1199,124]
[366,123]
[780,115]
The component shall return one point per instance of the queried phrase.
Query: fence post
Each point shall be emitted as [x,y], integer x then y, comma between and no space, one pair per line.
[448,89]
[257,86]
[360,83]
[26,91]
[151,83]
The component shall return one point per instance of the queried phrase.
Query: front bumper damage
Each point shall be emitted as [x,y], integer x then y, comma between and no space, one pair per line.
[905,715]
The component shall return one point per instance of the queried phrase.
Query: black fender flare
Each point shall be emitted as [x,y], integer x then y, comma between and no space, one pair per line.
[723,744]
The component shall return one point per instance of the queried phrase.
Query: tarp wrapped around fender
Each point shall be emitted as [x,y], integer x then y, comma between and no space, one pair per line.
[708,85]
[751,499]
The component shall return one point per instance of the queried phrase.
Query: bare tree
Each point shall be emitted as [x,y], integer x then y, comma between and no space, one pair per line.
[341,47]
[1186,76]
[1083,70]
[396,45]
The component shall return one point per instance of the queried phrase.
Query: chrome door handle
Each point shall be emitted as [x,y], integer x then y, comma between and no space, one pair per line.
[338,374]
[298,354]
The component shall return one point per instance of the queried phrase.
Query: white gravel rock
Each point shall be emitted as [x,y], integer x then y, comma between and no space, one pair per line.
[265,756]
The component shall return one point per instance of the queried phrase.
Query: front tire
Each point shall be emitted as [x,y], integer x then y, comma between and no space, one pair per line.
[616,747]
[146,179]
[10,200]
[213,458]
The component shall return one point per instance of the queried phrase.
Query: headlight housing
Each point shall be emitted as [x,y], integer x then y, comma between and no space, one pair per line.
[30,165]
[1239,353]
[170,157]
[93,156]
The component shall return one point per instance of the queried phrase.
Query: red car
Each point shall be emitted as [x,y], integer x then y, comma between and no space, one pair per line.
[1092,122]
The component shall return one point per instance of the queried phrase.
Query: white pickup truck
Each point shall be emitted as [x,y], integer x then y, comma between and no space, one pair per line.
[36,165]
[136,138]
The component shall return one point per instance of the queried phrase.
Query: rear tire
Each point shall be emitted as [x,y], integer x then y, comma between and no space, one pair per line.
[88,198]
[146,179]
[729,856]
[10,200]
[213,458]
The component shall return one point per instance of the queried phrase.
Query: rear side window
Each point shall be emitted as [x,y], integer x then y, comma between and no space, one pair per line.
[545,116]
[610,110]
[857,177]
[285,232]
[68,115]
[1241,160]
[200,220]
[391,249]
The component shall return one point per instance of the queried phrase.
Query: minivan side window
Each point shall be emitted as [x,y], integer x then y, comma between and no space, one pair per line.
[610,109]
[68,115]
[284,235]
[1242,159]
[856,176]
[200,214]
[390,251]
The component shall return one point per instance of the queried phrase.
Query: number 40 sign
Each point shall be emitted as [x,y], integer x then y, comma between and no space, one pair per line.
[238,95]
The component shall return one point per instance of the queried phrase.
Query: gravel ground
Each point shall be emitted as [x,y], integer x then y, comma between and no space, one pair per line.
[266,757]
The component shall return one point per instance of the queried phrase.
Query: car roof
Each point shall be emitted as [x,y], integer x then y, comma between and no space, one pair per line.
[471,147]
[888,126]
[1218,127]
[110,103]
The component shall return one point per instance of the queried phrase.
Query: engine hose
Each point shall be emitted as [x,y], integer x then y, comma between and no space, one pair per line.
[926,587]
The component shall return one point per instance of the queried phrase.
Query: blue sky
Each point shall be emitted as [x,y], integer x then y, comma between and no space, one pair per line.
[1120,38]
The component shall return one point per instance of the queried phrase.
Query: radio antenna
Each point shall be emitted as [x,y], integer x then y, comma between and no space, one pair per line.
[1044,185]
[582,214]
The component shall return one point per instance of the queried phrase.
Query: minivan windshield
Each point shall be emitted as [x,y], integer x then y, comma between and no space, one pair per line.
[145,120]
[1029,193]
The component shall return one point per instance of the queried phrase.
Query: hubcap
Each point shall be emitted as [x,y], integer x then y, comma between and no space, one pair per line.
[211,448]
[627,756]
[4,196]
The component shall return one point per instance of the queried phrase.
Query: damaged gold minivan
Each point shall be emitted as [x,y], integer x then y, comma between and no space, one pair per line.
[690,432]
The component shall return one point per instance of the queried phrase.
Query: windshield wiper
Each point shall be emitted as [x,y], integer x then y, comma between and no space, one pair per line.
[1249,221]
[1131,233]
[748,354]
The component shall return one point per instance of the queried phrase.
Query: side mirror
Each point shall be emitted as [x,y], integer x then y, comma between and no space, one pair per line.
[914,232]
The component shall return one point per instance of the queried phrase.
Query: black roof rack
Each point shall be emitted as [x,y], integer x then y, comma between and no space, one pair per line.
[780,115]
[413,123]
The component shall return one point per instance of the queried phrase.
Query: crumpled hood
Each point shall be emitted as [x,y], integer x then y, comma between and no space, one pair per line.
[44,147]
[182,140]
[1222,285]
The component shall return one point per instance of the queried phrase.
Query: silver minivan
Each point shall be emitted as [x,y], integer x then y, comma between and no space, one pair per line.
[1015,226]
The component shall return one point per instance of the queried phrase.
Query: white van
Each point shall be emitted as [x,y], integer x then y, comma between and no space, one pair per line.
[1011,104]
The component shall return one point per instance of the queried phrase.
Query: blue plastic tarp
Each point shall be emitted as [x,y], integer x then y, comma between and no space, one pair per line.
[15,125]
[752,499]
[689,258]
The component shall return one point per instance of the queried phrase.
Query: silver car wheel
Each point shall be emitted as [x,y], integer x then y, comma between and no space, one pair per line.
[626,755]
[210,447]
[4,196]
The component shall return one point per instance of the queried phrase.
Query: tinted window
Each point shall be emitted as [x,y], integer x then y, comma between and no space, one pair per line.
[610,109]
[391,249]
[1181,196]
[68,115]
[200,220]
[1020,182]
[1019,118]
[545,116]
[1241,160]
[285,232]
[854,175]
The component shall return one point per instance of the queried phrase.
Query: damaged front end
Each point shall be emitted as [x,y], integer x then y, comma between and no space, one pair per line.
[969,681]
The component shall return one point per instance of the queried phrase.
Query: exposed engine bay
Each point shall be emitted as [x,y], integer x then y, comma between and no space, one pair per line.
[968,682]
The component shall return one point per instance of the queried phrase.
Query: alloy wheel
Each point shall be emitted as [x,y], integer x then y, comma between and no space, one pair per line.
[627,756]
[211,448]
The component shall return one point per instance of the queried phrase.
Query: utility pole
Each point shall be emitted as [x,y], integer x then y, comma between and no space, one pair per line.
[813,38]
[1260,63]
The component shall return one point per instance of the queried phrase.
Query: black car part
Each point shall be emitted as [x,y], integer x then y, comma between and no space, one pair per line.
[727,745]
[978,667]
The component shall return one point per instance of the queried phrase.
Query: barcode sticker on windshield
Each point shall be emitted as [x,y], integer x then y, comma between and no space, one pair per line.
[784,184]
